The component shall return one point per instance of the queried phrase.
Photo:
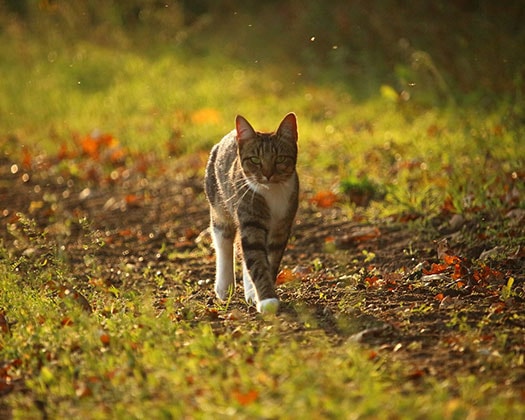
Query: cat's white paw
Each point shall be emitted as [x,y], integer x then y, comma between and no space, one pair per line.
[224,289]
[249,294]
[268,306]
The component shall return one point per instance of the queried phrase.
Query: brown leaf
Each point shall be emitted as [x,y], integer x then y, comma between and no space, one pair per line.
[4,326]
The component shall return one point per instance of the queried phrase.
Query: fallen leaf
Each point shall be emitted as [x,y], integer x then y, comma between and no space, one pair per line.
[285,276]
[4,326]
[90,147]
[324,199]
[416,374]
[451,259]
[66,321]
[246,398]
[357,235]
[372,281]
[104,338]
[436,269]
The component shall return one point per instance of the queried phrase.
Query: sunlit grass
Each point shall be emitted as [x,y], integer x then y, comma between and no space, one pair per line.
[171,103]
[131,358]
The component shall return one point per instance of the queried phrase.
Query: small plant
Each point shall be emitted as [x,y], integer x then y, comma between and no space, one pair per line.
[361,191]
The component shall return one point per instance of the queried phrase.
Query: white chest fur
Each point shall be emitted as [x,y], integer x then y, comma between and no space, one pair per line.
[277,197]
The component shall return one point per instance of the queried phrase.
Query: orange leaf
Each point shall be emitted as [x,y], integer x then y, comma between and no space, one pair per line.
[372,281]
[245,398]
[439,297]
[90,147]
[132,200]
[105,339]
[436,269]
[458,272]
[285,276]
[27,158]
[324,199]
[451,259]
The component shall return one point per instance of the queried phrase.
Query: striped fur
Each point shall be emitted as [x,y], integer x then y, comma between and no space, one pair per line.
[252,187]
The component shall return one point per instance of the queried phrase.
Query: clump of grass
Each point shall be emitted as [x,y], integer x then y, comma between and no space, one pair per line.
[361,191]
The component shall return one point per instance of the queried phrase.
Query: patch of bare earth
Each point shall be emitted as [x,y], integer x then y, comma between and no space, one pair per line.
[382,285]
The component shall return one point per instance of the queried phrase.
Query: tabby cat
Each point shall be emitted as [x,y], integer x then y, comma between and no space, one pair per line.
[252,187]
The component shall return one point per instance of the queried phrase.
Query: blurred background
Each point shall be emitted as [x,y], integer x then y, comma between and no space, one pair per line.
[465,47]
[149,71]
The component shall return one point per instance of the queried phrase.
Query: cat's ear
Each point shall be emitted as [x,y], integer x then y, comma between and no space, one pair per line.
[244,130]
[288,127]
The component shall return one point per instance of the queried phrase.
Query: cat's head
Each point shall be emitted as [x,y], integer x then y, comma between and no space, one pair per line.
[268,158]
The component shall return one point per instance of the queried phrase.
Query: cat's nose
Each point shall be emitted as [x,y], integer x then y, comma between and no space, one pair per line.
[267,175]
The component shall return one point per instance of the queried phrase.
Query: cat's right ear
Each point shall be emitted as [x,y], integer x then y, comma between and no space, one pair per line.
[244,130]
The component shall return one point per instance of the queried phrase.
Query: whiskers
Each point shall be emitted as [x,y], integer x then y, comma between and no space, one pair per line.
[243,186]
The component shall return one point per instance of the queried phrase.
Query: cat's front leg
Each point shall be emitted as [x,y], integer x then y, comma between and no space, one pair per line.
[257,277]
[224,274]
[269,305]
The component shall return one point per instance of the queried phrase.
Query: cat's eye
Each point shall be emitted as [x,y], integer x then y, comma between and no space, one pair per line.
[255,160]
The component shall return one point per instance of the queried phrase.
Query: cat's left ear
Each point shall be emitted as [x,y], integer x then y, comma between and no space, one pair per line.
[288,127]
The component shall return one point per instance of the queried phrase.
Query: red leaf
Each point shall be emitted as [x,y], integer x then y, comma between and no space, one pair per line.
[105,339]
[66,321]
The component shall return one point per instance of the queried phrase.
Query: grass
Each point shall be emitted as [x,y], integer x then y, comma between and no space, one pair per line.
[129,356]
[167,105]
[131,359]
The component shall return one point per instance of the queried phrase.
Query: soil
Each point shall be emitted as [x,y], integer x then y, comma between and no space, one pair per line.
[360,282]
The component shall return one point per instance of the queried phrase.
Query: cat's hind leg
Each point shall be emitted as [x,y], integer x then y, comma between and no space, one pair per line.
[223,238]
[249,287]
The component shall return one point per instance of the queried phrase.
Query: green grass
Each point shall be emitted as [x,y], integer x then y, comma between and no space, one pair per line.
[170,102]
[131,358]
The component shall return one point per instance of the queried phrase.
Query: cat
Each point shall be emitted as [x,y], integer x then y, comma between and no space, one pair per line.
[252,187]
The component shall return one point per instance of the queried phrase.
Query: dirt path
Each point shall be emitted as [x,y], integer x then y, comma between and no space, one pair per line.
[383,285]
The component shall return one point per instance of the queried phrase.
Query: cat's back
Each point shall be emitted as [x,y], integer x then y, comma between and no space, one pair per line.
[224,152]
[222,157]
